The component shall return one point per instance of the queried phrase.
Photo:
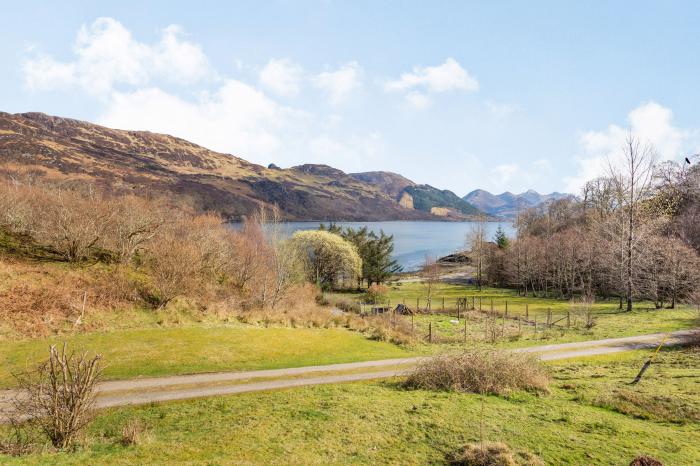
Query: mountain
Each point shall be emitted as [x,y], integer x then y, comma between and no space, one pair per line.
[146,163]
[506,204]
[390,183]
[443,203]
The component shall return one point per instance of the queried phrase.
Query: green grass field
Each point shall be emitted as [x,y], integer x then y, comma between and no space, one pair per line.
[591,417]
[190,349]
[205,347]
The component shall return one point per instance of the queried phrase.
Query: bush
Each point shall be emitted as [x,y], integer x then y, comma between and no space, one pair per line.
[377,294]
[60,395]
[348,306]
[493,454]
[480,371]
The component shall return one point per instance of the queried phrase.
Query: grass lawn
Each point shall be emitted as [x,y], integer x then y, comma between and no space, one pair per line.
[190,349]
[591,417]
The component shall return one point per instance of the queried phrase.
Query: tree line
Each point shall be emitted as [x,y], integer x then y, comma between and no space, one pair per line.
[632,234]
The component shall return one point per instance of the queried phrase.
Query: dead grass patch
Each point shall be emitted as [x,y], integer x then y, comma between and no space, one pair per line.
[482,371]
[640,405]
[493,454]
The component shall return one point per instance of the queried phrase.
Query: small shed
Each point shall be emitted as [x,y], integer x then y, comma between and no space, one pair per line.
[403,310]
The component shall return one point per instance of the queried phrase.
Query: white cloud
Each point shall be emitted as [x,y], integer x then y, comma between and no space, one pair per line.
[650,122]
[450,76]
[418,100]
[106,54]
[505,172]
[282,76]
[237,118]
[339,84]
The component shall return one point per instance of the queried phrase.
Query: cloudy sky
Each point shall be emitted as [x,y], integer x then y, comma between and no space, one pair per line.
[460,95]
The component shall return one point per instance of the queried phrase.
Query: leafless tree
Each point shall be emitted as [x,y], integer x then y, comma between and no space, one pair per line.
[476,243]
[60,395]
[633,180]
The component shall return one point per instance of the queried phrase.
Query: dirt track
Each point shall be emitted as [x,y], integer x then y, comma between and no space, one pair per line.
[150,390]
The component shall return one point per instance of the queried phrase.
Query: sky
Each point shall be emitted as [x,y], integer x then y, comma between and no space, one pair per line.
[503,96]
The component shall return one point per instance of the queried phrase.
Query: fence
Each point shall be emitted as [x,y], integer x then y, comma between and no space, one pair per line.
[516,313]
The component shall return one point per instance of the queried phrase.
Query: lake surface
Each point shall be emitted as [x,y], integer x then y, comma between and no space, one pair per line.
[415,240]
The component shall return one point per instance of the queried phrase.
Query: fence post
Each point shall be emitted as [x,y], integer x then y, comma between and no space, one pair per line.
[520,325]
[465,330]
[473,303]
[443,303]
[506,308]
[417,303]
[568,319]
[413,329]
[430,332]
[491,305]
[479,302]
[527,312]
[534,321]
[503,327]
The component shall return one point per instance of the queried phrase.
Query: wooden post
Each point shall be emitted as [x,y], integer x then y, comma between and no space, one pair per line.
[430,332]
[443,303]
[506,308]
[413,329]
[503,326]
[520,325]
[473,303]
[568,319]
[465,330]
[417,304]
[535,323]
[491,305]
[527,312]
[479,302]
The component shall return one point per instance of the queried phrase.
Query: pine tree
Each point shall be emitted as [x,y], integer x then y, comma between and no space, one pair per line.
[500,238]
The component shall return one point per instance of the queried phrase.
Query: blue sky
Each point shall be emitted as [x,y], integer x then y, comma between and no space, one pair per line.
[460,95]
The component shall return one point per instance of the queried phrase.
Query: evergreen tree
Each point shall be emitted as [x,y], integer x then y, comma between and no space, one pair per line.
[500,238]
[375,250]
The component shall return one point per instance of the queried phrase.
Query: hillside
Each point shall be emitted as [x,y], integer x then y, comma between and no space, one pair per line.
[157,164]
[390,183]
[443,203]
[507,204]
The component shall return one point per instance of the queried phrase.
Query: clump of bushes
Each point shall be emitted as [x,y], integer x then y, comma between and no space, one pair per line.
[493,454]
[377,294]
[480,371]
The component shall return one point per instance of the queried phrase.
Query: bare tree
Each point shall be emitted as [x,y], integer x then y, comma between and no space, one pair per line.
[430,273]
[633,181]
[60,395]
[476,243]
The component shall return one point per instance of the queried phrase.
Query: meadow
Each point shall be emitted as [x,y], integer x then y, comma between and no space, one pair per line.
[591,416]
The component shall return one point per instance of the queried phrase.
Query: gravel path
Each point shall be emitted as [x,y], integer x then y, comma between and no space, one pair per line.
[180,387]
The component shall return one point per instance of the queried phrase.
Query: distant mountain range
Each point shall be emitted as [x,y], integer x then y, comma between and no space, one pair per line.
[507,204]
[146,163]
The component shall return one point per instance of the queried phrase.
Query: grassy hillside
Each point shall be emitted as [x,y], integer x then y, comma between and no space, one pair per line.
[425,198]
[162,165]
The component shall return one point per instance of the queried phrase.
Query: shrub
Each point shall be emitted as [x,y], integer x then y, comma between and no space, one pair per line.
[377,293]
[59,396]
[348,306]
[480,371]
[493,454]
[645,460]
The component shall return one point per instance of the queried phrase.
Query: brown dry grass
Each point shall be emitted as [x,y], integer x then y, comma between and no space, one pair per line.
[480,371]
[134,432]
[493,454]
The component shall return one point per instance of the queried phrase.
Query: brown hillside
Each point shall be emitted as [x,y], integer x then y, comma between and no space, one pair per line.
[149,163]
